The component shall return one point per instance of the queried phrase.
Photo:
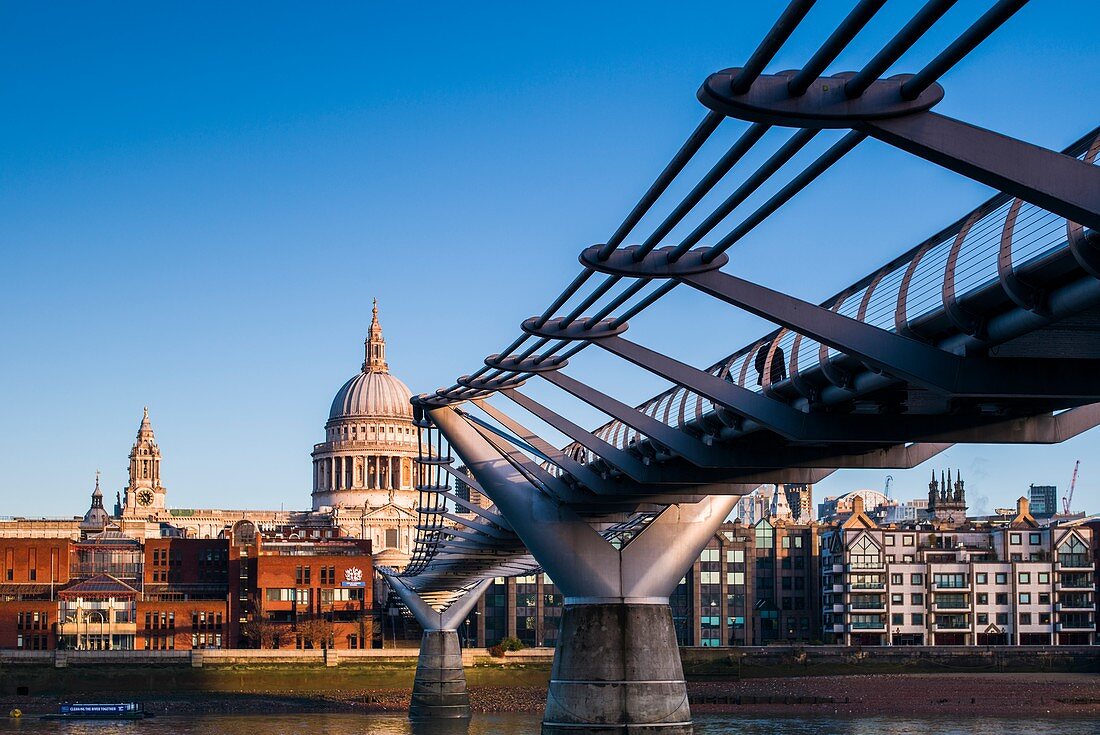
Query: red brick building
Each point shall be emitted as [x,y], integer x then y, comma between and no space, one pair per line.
[307,593]
[112,591]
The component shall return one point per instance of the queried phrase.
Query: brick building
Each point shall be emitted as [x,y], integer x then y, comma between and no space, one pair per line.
[111,591]
[306,593]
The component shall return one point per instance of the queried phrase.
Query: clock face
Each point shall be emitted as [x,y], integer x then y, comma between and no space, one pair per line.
[145,497]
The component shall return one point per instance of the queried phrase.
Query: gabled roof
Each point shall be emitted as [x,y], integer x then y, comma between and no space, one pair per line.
[103,585]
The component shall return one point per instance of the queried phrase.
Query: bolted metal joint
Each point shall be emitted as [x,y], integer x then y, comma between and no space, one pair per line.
[659,263]
[493,384]
[579,329]
[824,105]
[532,364]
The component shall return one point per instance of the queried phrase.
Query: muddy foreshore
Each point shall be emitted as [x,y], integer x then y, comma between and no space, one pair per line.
[895,694]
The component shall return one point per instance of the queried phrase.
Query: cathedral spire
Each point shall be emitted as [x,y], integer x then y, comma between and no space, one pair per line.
[375,344]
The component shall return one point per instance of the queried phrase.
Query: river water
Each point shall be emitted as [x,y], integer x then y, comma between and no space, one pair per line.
[528,724]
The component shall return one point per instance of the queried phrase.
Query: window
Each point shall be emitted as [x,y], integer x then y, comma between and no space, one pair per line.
[1044,577]
[1025,618]
[897,619]
[710,578]
[1035,539]
[907,540]
[897,579]
[949,581]
[1001,598]
[1014,539]
[897,599]
[981,578]
[888,539]
[1044,598]
[1073,553]
[391,538]
[865,554]
[983,618]
[917,598]
[735,556]
[1025,598]
[917,618]
[1001,578]
[709,555]
[1044,618]
[983,598]
[1002,618]
[798,542]
[735,578]
[786,542]
[1025,578]
[916,579]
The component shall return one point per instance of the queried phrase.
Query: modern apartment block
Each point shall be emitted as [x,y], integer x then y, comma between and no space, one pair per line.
[949,581]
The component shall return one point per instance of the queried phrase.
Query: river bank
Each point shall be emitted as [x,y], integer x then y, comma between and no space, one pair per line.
[1009,694]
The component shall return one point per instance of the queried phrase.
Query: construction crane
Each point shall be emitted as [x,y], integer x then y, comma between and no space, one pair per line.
[1068,498]
[886,490]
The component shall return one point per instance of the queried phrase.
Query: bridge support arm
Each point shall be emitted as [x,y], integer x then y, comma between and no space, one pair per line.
[617,665]
[439,688]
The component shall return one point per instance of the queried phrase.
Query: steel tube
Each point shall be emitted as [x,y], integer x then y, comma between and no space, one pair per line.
[690,147]
[771,44]
[898,45]
[797,184]
[961,46]
[736,152]
[793,145]
[852,24]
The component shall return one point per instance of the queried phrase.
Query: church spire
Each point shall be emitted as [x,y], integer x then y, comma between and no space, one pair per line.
[375,361]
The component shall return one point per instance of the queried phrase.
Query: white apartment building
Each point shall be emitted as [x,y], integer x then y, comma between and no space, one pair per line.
[949,581]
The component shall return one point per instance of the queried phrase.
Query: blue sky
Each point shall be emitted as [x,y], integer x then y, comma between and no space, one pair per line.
[197,204]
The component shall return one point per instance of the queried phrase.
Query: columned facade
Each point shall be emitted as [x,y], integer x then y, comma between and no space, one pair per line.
[366,463]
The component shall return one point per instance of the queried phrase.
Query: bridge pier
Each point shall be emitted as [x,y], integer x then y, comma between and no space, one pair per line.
[617,668]
[439,688]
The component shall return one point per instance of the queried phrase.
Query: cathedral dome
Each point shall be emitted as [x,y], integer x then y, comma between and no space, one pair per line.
[372,394]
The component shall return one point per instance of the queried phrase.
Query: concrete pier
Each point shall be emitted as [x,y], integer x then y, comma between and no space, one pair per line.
[616,666]
[439,689]
[617,671]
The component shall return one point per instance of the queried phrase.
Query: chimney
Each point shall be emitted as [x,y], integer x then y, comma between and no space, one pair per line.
[1023,507]
[857,505]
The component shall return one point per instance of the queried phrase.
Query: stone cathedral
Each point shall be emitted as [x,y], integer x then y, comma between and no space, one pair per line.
[363,477]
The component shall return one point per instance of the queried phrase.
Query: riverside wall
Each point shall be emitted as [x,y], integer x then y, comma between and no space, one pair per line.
[257,671]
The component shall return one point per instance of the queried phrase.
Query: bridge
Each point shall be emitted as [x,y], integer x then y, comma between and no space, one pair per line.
[986,332]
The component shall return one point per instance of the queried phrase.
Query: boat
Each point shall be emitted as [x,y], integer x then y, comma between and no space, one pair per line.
[100,711]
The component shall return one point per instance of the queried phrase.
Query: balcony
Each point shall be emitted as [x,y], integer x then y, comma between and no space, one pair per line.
[952,626]
[1073,585]
[949,607]
[962,589]
[1074,606]
[867,626]
[866,586]
[879,566]
[867,605]
[1074,563]
[1075,626]
[838,589]
[951,622]
[838,569]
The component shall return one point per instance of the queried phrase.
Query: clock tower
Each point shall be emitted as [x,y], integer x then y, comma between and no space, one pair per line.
[144,494]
